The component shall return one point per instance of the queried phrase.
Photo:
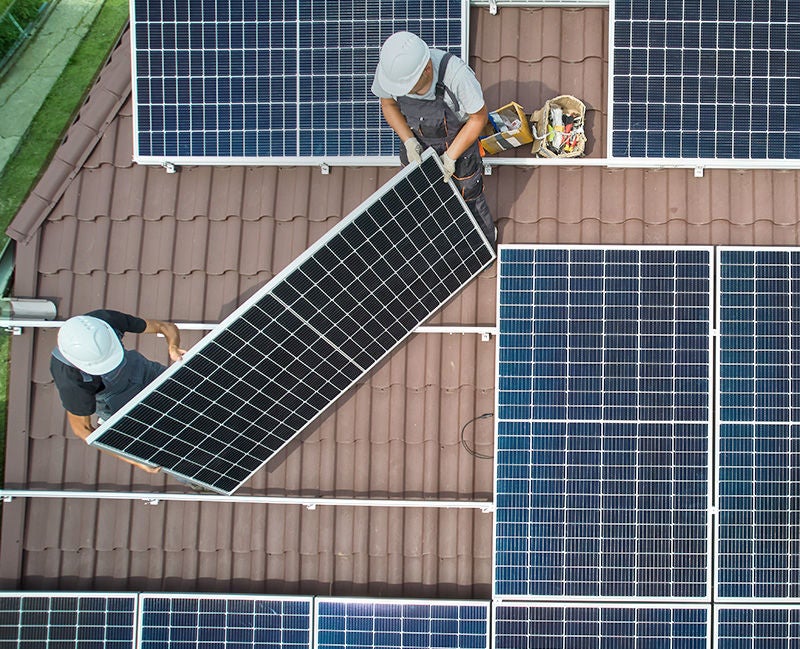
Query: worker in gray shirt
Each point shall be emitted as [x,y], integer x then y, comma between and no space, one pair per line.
[431,98]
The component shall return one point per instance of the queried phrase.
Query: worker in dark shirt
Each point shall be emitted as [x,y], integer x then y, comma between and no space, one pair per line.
[95,374]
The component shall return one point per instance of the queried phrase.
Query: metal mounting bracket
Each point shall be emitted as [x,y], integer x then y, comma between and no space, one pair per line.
[169,166]
[324,168]
[493,7]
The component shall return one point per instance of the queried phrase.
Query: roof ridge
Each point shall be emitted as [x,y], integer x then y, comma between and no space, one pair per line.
[106,97]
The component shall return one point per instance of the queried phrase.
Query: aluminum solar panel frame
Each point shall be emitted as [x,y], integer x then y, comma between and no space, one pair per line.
[603,423]
[748,626]
[271,82]
[275,364]
[706,83]
[37,620]
[758,388]
[188,621]
[381,623]
[539,625]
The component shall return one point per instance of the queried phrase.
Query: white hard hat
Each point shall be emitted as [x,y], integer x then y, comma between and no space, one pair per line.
[403,58]
[90,344]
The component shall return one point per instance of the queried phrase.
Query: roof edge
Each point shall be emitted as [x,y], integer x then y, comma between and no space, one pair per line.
[106,97]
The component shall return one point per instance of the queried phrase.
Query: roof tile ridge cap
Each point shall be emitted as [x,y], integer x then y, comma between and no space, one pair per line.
[60,173]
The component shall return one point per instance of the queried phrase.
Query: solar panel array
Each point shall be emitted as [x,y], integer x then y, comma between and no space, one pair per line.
[224,622]
[706,79]
[759,415]
[286,80]
[401,624]
[745,627]
[581,626]
[66,621]
[603,423]
[282,358]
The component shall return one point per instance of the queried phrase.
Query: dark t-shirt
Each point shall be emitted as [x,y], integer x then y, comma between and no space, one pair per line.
[78,395]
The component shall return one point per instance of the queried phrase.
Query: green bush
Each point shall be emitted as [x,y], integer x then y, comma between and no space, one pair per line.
[24,12]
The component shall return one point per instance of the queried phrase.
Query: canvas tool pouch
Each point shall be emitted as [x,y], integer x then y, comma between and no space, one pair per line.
[543,145]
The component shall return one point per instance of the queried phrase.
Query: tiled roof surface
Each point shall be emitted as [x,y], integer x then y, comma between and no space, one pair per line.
[100,231]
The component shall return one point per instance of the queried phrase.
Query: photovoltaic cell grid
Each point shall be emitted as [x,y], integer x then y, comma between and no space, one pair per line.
[519,626]
[273,79]
[603,423]
[371,624]
[184,622]
[759,447]
[757,627]
[283,357]
[714,79]
[39,621]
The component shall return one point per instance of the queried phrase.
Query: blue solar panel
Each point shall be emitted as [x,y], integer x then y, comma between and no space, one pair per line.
[759,414]
[42,621]
[757,627]
[603,423]
[717,80]
[273,79]
[396,624]
[528,626]
[191,622]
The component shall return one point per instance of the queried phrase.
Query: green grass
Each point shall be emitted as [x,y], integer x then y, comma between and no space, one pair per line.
[59,109]
[42,139]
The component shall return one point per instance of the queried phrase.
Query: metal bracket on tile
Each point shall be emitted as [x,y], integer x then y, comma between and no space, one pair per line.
[169,166]
[324,168]
[487,170]
[488,509]
[151,501]
[493,7]
[7,498]
[311,506]
[15,331]
[699,171]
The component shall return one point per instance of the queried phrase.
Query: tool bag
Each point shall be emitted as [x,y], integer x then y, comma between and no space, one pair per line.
[558,128]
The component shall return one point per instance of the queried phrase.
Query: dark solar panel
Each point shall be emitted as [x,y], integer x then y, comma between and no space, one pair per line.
[389,624]
[273,366]
[746,627]
[224,622]
[68,621]
[271,79]
[759,414]
[544,626]
[714,80]
[603,422]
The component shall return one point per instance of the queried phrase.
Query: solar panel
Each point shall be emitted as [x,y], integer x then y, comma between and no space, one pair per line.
[756,627]
[286,81]
[224,622]
[602,456]
[291,350]
[710,80]
[759,415]
[582,626]
[66,621]
[401,624]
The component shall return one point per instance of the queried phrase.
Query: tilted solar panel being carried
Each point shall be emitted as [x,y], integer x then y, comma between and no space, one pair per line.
[759,423]
[747,626]
[67,621]
[221,622]
[603,414]
[284,356]
[707,79]
[274,80]
[401,624]
[548,626]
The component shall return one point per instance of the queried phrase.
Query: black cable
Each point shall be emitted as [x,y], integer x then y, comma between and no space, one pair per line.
[467,448]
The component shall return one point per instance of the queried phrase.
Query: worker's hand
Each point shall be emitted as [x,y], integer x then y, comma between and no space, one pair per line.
[449,166]
[413,150]
[176,353]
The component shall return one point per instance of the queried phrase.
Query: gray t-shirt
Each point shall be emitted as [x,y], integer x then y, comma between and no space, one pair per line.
[458,77]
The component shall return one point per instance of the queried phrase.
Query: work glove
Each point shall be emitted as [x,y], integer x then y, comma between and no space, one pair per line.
[413,150]
[449,166]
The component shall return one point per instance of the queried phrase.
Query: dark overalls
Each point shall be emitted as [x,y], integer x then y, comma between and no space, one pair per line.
[435,125]
[122,383]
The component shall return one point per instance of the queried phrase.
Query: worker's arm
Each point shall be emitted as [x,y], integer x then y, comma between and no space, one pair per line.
[82,427]
[470,132]
[395,119]
[170,333]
